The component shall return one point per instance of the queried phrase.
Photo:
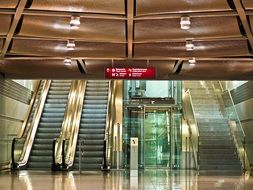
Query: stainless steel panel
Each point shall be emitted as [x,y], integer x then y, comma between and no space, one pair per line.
[248,129]
[244,109]
[145,7]
[249,150]
[12,108]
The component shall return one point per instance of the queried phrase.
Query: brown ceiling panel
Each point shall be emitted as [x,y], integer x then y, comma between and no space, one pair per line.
[248,4]
[97,67]
[92,6]
[58,49]
[8,3]
[1,44]
[220,70]
[147,7]
[25,69]
[165,29]
[251,22]
[90,29]
[5,22]
[201,49]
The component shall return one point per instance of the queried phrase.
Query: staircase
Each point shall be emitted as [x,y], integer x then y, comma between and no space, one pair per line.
[92,125]
[50,125]
[216,147]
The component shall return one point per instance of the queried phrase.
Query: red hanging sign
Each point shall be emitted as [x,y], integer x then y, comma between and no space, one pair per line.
[130,73]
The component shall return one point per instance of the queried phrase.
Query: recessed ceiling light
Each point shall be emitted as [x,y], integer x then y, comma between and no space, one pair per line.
[75,22]
[185,22]
[189,45]
[67,61]
[71,45]
[192,61]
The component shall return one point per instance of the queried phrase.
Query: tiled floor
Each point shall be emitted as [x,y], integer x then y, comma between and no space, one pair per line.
[119,180]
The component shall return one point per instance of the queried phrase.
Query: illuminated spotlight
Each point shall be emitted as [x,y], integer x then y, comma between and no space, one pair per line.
[75,22]
[189,45]
[67,61]
[71,45]
[192,61]
[185,22]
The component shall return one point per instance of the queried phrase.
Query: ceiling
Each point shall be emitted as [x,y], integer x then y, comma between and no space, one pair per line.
[126,33]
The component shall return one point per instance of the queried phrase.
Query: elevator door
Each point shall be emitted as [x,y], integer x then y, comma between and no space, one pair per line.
[156,137]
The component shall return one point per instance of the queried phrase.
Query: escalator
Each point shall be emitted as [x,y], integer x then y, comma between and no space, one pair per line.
[92,125]
[50,125]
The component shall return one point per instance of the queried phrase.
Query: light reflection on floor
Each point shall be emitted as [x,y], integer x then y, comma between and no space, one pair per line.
[120,180]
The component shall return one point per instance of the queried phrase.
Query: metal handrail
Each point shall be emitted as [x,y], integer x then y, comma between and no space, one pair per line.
[73,128]
[192,124]
[109,124]
[32,131]
[32,102]
[240,149]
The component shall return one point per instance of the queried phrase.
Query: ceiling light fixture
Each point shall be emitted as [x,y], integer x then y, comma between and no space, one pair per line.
[189,45]
[185,22]
[192,61]
[67,61]
[71,45]
[75,22]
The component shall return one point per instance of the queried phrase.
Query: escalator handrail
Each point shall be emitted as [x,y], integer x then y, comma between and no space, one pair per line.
[33,129]
[108,129]
[195,144]
[32,102]
[73,129]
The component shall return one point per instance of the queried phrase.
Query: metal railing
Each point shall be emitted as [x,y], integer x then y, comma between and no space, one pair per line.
[21,147]
[71,131]
[229,111]
[108,140]
[189,116]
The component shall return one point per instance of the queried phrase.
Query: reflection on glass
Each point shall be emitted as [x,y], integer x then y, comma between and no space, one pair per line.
[156,139]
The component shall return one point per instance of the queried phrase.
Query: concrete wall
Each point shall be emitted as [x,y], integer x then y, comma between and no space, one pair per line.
[14,102]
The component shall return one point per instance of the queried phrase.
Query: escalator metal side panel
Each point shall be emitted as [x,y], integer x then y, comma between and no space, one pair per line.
[66,123]
[28,115]
[73,129]
[31,134]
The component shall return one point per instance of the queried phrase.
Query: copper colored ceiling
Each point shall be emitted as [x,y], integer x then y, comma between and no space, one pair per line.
[126,33]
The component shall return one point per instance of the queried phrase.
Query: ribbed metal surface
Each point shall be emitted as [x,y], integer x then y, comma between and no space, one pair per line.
[15,91]
[97,6]
[201,49]
[50,125]
[242,93]
[145,7]
[90,29]
[8,3]
[58,48]
[200,28]
[5,24]
[92,125]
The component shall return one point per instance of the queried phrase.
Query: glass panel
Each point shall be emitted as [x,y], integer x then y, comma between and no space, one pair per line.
[133,122]
[157,139]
